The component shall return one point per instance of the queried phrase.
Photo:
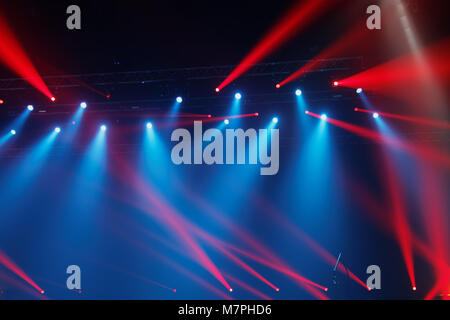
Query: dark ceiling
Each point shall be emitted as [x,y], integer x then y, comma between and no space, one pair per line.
[135,35]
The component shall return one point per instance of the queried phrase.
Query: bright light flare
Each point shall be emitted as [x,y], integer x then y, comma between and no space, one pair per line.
[359,90]
[57,129]
[179,99]
[238,96]
[13,132]
[375,115]
[323,116]
[226,121]
[149,125]
[298,92]
[275,120]
[103,127]
[83,105]
[30,107]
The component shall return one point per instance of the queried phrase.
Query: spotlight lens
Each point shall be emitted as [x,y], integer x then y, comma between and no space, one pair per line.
[13,132]
[226,121]
[217,89]
[278,86]
[83,105]
[149,125]
[275,120]
[53,99]
[238,96]
[375,115]
[323,117]
[359,90]
[335,83]
[57,129]
[103,127]
[30,107]
[179,99]
[298,92]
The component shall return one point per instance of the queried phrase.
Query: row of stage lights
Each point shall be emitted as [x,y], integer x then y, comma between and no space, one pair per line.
[237,96]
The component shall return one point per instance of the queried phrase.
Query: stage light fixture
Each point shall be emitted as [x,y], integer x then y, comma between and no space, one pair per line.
[226,121]
[53,99]
[149,125]
[179,99]
[275,120]
[217,89]
[323,116]
[359,90]
[414,288]
[30,107]
[238,96]
[375,115]
[57,129]
[335,83]
[83,105]
[278,86]
[13,132]
[103,127]
[298,92]
[2,101]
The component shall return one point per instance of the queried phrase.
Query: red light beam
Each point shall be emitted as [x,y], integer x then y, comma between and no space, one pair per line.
[13,56]
[434,123]
[10,265]
[425,152]
[296,19]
